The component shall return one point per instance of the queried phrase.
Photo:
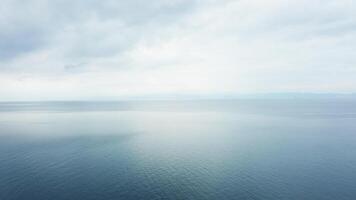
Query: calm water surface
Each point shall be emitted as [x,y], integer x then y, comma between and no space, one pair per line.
[236,149]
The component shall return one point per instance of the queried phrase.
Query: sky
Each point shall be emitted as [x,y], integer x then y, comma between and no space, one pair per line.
[112,49]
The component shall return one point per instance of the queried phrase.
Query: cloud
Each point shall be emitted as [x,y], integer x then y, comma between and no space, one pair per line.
[83,29]
[119,48]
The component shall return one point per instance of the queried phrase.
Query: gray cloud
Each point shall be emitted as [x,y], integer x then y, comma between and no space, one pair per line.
[82,29]
[15,43]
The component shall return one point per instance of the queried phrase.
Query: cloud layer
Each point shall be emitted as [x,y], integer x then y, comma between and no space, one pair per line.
[92,49]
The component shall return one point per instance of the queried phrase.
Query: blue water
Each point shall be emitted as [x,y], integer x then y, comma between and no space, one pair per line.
[231,149]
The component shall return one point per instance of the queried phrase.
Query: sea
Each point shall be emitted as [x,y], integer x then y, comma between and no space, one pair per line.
[258,149]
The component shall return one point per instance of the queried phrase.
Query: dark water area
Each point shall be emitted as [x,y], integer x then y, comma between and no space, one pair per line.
[217,149]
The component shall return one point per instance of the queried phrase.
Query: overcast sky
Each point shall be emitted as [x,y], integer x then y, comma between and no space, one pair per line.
[109,49]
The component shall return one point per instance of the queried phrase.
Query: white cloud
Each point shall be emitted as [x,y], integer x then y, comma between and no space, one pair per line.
[103,50]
